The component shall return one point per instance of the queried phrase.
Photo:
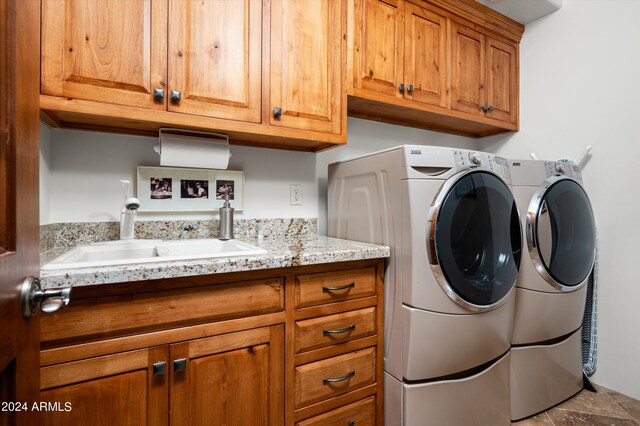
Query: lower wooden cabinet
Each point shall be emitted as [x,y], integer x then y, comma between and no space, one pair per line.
[203,351]
[233,379]
[123,388]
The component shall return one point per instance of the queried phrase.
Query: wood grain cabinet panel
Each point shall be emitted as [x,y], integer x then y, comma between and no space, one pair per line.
[108,51]
[361,413]
[330,287]
[443,65]
[232,379]
[215,51]
[334,376]
[425,56]
[100,390]
[379,46]
[306,65]
[329,330]
[502,80]
[468,73]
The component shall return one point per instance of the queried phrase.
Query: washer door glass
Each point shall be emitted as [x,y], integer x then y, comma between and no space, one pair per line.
[565,233]
[477,238]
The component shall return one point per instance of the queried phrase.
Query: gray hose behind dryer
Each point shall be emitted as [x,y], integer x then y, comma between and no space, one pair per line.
[590,321]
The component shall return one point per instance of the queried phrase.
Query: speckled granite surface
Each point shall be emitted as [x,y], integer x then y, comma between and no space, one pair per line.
[282,252]
[60,235]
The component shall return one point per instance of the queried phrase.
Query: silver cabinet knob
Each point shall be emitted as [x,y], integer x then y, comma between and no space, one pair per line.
[277,112]
[410,89]
[158,94]
[175,96]
[35,299]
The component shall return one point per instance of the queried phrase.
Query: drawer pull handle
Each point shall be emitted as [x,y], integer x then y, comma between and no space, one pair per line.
[341,287]
[352,422]
[342,330]
[159,368]
[179,365]
[347,376]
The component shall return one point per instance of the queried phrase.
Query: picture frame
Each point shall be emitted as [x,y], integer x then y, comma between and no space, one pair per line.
[174,189]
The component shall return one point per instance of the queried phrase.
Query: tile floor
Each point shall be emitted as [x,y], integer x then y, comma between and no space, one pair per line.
[606,407]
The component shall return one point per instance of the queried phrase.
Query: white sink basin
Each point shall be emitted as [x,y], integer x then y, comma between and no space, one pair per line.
[125,252]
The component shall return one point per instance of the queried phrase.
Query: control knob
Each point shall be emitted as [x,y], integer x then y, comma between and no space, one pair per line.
[474,157]
[559,168]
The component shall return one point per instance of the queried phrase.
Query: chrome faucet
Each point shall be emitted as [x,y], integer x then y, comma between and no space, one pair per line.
[128,213]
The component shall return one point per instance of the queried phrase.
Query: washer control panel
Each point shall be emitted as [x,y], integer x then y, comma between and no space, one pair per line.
[465,159]
[556,168]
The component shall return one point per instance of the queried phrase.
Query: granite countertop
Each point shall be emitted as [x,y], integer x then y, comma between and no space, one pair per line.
[282,252]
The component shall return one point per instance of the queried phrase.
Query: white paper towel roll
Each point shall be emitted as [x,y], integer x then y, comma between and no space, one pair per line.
[193,151]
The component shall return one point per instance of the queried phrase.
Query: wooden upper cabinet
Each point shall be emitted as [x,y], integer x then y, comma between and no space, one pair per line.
[231,379]
[306,65]
[122,386]
[109,51]
[468,69]
[215,58]
[425,66]
[502,81]
[379,46]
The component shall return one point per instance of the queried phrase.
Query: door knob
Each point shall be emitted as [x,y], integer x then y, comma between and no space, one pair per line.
[175,96]
[410,89]
[401,88]
[35,299]
[277,112]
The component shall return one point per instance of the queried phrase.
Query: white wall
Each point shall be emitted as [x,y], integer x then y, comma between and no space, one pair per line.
[83,172]
[45,173]
[86,168]
[580,84]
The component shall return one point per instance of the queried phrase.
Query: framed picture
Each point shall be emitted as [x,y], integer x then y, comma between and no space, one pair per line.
[189,190]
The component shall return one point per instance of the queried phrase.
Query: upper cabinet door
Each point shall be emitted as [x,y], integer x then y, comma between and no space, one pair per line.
[378,46]
[502,81]
[306,65]
[425,67]
[109,51]
[215,51]
[468,72]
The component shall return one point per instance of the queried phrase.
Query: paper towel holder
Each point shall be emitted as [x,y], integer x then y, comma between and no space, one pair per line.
[170,130]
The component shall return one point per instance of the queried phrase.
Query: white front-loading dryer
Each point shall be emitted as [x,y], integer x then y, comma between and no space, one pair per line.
[454,231]
[560,241]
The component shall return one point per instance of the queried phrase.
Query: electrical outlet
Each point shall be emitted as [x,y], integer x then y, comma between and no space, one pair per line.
[296,195]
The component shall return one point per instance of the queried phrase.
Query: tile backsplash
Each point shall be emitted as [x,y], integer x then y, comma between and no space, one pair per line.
[69,234]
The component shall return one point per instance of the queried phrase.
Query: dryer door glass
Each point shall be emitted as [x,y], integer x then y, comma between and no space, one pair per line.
[477,238]
[565,233]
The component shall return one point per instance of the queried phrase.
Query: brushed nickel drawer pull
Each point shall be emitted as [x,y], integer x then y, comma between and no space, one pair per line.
[179,365]
[341,287]
[159,368]
[347,376]
[342,330]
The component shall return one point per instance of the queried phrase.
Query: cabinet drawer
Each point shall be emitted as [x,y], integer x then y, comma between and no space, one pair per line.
[329,287]
[324,331]
[361,413]
[163,309]
[334,376]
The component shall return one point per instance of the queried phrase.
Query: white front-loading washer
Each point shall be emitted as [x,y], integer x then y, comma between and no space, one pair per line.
[546,363]
[454,231]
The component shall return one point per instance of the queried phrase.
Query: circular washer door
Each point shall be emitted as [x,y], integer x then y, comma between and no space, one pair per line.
[561,233]
[476,238]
